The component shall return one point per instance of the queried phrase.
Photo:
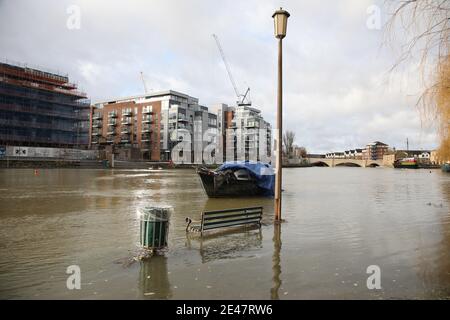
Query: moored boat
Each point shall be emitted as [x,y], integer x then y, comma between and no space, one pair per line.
[406,163]
[446,167]
[238,179]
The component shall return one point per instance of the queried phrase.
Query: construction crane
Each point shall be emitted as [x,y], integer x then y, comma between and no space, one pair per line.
[243,99]
[143,82]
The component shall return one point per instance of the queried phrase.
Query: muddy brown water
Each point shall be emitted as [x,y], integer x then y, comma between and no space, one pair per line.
[339,221]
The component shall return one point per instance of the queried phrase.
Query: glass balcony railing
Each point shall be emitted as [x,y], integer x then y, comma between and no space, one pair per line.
[147,119]
[147,110]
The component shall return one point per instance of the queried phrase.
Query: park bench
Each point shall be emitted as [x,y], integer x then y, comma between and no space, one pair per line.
[226,218]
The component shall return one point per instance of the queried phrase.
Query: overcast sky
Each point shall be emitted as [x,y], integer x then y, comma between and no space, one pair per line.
[338,91]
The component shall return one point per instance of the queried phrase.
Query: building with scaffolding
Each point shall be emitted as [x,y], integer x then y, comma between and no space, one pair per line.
[41,108]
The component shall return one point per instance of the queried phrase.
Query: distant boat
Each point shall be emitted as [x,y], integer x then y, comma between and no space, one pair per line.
[446,167]
[407,163]
[238,179]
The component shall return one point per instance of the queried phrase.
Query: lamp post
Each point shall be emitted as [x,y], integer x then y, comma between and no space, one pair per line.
[280,19]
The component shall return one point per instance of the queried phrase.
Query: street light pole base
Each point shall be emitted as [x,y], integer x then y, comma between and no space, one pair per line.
[279,221]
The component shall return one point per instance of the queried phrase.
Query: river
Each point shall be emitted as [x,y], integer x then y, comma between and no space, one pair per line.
[339,221]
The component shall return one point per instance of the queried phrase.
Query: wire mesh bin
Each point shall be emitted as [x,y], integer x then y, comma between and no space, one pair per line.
[154,227]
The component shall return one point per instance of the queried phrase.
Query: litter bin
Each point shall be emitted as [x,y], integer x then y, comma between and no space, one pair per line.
[154,227]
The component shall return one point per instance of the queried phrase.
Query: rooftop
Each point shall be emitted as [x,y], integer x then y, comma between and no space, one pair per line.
[145,96]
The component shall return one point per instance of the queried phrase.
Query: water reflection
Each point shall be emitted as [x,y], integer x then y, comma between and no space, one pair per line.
[228,244]
[276,267]
[154,279]
[443,251]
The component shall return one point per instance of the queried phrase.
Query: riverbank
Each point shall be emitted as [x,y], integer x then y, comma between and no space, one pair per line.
[36,163]
[16,163]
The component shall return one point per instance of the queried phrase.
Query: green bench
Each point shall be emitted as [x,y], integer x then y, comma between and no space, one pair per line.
[226,218]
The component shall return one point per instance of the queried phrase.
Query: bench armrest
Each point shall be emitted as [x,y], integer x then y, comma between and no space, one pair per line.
[196,228]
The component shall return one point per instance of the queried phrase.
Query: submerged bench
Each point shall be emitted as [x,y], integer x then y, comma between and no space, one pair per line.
[226,218]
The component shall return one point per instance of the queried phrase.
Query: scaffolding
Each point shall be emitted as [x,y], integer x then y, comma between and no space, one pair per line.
[41,108]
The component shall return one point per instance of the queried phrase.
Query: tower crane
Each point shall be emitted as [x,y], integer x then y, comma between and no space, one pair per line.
[143,82]
[243,99]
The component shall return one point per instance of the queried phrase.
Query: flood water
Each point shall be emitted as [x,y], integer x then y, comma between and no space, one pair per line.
[339,221]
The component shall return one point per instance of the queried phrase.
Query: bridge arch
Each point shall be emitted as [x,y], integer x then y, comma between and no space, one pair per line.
[319,164]
[348,164]
[373,165]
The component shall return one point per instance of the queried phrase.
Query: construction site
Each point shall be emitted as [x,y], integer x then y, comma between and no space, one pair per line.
[41,109]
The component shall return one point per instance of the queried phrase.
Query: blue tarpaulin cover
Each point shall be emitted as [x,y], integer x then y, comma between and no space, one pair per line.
[262,172]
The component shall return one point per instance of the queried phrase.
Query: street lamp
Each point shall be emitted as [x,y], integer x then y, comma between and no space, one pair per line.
[280,19]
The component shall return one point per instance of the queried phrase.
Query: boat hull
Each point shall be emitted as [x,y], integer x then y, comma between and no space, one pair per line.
[406,166]
[216,187]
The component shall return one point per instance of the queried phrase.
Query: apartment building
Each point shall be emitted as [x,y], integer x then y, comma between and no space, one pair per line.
[148,127]
[375,151]
[243,134]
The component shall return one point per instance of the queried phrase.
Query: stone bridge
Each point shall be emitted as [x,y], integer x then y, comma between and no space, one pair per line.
[324,162]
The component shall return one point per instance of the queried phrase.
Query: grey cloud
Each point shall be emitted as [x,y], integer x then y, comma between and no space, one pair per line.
[338,93]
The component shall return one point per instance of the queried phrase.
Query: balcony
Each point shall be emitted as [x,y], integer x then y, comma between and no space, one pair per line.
[111,133]
[112,115]
[112,123]
[96,124]
[96,133]
[146,130]
[97,116]
[146,137]
[182,119]
[147,110]
[125,131]
[147,119]
[127,113]
[126,122]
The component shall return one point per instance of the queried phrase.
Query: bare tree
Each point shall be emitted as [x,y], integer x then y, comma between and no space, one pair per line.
[288,142]
[425,26]
[302,152]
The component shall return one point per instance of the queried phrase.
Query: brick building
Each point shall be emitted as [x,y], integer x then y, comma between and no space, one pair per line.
[374,151]
[147,127]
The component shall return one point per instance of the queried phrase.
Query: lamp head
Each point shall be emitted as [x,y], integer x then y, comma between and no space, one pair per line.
[280,19]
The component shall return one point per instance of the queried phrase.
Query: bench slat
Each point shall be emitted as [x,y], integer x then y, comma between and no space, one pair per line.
[252,214]
[231,213]
[234,209]
[231,220]
[237,223]
[230,217]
